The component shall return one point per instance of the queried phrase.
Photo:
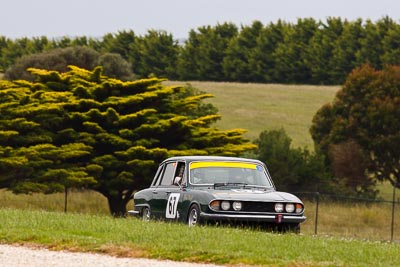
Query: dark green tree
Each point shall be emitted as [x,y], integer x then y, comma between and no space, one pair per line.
[292,170]
[365,111]
[372,43]
[261,58]
[320,50]
[203,53]
[62,42]
[155,54]
[83,128]
[189,58]
[391,46]
[80,41]
[3,46]
[343,58]
[290,55]
[12,50]
[120,43]
[238,61]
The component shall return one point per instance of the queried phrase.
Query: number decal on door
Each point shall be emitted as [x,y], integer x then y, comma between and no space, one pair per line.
[172,205]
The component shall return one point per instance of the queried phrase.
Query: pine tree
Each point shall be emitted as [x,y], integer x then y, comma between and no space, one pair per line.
[80,128]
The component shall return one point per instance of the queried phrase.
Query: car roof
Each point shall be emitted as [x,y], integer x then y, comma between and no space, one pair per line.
[211,158]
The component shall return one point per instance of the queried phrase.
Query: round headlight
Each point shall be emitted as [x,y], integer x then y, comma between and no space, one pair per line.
[289,207]
[225,205]
[279,207]
[237,205]
[299,208]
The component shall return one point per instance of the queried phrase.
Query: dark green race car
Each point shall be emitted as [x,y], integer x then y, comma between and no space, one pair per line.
[199,189]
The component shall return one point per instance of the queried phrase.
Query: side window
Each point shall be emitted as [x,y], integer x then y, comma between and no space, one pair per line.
[159,172]
[168,173]
[179,176]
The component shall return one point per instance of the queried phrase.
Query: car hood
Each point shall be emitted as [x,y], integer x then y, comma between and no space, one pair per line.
[254,195]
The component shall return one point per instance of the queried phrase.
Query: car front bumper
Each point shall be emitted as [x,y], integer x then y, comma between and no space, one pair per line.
[278,218]
[133,213]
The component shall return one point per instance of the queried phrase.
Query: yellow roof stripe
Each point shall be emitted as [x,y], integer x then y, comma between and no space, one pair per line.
[205,164]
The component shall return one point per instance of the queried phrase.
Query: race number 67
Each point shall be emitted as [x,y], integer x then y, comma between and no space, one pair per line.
[172,205]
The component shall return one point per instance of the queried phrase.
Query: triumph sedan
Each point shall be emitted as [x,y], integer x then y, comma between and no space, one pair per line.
[200,189]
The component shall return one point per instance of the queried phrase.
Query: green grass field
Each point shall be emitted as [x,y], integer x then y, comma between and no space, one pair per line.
[259,107]
[221,245]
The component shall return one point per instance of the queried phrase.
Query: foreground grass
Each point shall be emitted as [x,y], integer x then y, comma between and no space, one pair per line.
[134,238]
[259,107]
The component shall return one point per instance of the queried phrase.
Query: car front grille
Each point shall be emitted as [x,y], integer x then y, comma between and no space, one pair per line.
[249,206]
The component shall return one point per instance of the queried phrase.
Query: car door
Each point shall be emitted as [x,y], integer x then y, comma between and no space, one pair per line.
[167,195]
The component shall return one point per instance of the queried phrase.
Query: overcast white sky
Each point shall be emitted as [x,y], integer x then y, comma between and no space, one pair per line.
[94,18]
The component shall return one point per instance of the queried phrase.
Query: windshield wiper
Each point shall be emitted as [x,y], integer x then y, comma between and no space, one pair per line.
[229,184]
[262,187]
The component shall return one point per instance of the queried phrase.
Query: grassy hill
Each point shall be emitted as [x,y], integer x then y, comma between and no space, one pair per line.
[259,107]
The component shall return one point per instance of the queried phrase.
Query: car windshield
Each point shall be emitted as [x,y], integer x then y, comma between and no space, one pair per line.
[228,173]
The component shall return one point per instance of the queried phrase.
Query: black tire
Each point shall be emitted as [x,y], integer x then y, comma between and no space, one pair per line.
[194,216]
[146,213]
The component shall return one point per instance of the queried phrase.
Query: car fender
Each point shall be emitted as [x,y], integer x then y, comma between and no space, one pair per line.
[198,197]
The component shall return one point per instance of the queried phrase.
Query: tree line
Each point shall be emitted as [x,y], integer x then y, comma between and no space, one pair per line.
[305,52]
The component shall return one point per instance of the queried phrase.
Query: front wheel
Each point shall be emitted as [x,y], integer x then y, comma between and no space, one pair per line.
[194,215]
[146,214]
